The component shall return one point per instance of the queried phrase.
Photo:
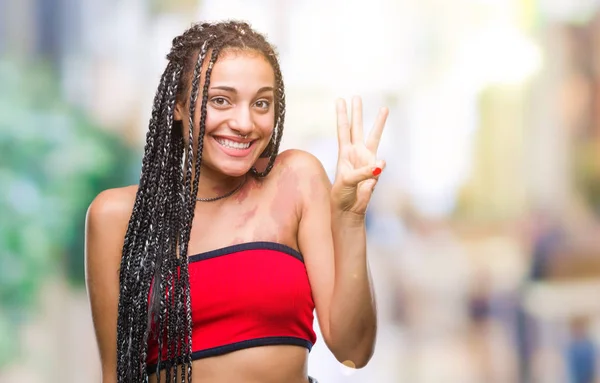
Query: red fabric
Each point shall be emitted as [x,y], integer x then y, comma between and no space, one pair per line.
[252,292]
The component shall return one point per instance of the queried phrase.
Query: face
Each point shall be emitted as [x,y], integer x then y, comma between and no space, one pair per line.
[240,112]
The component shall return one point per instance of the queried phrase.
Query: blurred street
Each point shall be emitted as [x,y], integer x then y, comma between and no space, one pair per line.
[484,230]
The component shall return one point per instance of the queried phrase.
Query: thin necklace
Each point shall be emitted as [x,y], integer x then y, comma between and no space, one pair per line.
[224,195]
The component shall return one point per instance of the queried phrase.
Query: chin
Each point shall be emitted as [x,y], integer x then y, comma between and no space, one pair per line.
[233,170]
[236,173]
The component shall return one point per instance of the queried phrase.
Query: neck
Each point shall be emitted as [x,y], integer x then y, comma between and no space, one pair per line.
[214,184]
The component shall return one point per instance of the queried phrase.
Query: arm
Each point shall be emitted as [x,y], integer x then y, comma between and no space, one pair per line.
[334,247]
[332,236]
[353,308]
[106,224]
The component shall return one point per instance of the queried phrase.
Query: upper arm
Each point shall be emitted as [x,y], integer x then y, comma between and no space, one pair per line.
[315,239]
[106,224]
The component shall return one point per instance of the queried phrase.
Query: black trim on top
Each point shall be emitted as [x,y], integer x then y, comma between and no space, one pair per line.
[259,245]
[267,341]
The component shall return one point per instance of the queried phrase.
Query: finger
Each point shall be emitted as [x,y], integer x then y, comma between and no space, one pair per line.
[375,135]
[342,123]
[356,176]
[356,125]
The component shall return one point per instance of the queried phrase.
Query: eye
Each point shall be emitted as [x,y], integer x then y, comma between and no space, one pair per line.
[219,101]
[263,104]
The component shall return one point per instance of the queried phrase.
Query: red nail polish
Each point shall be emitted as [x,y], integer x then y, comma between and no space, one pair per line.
[376,171]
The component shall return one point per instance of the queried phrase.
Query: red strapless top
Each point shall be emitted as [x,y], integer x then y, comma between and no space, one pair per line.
[247,295]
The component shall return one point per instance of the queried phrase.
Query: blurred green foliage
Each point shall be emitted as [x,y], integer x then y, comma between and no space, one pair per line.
[53,161]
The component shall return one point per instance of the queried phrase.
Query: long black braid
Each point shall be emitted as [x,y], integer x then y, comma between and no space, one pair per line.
[156,244]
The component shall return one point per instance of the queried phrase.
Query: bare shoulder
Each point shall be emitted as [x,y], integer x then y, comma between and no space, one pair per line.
[309,175]
[302,162]
[106,222]
[112,206]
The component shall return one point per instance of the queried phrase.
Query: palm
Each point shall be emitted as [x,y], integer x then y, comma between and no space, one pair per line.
[355,180]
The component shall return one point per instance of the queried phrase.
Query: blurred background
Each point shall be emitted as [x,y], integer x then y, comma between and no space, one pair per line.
[484,229]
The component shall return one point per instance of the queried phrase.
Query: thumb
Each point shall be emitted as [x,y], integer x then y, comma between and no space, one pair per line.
[368,185]
[364,173]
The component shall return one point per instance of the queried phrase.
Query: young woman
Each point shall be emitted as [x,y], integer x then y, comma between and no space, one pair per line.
[210,269]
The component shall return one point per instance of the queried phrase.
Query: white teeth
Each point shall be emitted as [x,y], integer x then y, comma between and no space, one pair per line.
[233,144]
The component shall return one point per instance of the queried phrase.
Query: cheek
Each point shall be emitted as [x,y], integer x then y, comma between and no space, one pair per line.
[212,121]
[266,123]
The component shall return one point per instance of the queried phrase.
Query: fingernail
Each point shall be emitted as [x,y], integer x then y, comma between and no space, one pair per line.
[376,171]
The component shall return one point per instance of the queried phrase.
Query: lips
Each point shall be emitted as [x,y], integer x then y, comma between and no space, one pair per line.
[233,147]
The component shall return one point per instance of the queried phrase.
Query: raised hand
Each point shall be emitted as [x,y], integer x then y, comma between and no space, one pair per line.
[358,167]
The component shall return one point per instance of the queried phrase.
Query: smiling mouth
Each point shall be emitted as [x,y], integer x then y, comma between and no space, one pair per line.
[232,144]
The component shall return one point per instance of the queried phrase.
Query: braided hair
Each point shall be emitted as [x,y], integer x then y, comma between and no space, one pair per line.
[154,261]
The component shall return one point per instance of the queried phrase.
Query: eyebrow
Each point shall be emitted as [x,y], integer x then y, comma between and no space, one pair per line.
[233,90]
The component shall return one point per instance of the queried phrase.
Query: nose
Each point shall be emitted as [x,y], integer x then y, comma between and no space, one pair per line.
[242,122]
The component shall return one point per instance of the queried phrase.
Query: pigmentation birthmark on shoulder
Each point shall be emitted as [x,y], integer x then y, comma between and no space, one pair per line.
[286,195]
[251,184]
[246,217]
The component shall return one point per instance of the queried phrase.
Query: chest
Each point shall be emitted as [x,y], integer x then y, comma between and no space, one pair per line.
[260,212]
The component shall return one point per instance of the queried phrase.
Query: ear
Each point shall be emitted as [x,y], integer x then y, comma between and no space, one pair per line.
[178,113]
